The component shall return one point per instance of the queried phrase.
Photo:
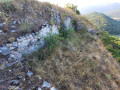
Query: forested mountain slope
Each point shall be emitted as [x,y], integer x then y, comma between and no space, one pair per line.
[104,22]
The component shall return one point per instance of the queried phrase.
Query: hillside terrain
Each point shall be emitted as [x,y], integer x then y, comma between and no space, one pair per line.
[104,22]
[114,13]
[101,8]
[46,47]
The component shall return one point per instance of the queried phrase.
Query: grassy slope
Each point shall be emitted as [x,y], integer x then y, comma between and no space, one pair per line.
[81,62]
[104,22]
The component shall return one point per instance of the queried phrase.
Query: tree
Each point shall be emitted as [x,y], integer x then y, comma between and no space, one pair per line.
[73,7]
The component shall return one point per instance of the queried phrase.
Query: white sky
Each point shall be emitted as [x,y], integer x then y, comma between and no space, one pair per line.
[82,3]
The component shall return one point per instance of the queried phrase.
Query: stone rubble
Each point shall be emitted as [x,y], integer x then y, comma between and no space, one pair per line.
[91,31]
[68,23]
[30,43]
[4,50]
[14,82]
[29,73]
[46,84]
[1,24]
[53,88]
[1,31]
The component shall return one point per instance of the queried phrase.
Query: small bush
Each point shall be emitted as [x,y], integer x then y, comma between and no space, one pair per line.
[51,21]
[52,41]
[25,27]
[2,15]
[8,6]
[73,7]
[67,34]
[12,39]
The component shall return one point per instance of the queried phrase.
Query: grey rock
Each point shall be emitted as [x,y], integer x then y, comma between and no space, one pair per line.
[19,77]
[14,82]
[29,73]
[68,23]
[11,57]
[3,62]
[10,70]
[56,16]
[46,84]
[39,89]
[13,31]
[2,81]
[1,31]
[28,43]
[19,22]
[14,22]
[12,48]
[38,13]
[53,88]
[78,26]
[24,79]
[15,44]
[91,31]
[13,26]
[4,50]
[1,24]
[11,64]
[8,45]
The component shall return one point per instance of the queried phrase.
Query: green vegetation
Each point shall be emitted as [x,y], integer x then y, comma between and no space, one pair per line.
[8,6]
[55,40]
[25,27]
[52,41]
[3,1]
[12,39]
[51,21]
[67,59]
[104,22]
[73,7]
[115,35]
[112,43]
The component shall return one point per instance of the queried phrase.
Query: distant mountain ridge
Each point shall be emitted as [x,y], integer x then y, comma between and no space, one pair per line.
[104,22]
[101,8]
[114,13]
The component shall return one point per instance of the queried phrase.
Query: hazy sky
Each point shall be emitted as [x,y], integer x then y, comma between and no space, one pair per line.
[82,3]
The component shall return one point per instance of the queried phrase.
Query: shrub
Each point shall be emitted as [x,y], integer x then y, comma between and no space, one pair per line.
[8,6]
[2,15]
[12,39]
[25,27]
[67,34]
[73,7]
[51,21]
[52,41]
